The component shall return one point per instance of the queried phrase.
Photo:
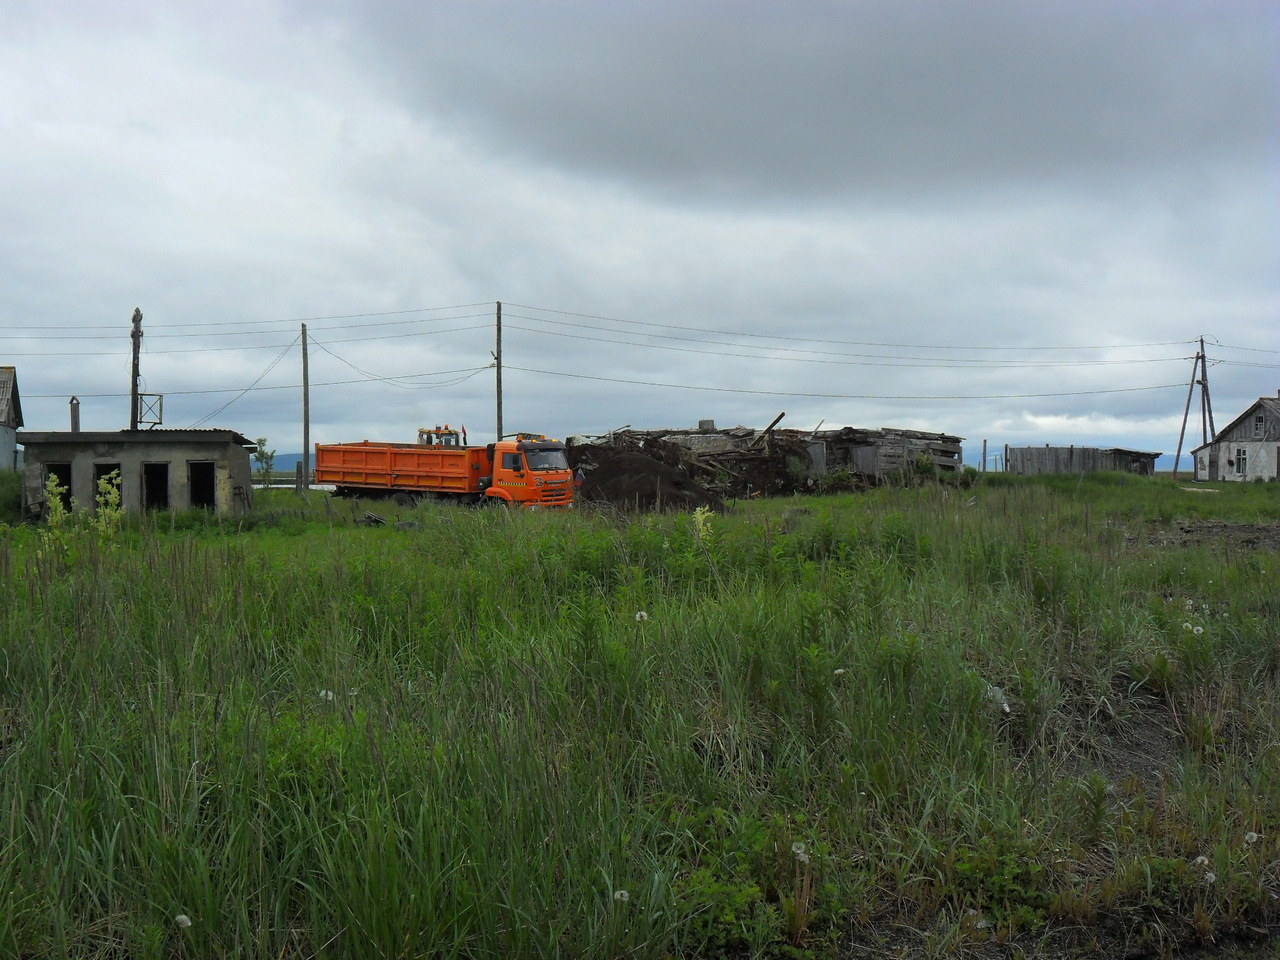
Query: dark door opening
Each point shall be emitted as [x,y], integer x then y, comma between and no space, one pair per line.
[200,481]
[101,471]
[62,473]
[155,486]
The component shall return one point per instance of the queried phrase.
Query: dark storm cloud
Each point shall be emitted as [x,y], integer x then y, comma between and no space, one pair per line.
[759,101]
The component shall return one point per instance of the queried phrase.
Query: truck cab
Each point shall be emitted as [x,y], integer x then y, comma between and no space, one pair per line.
[532,473]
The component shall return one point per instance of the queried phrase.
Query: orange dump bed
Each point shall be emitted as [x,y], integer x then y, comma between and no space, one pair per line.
[401,466]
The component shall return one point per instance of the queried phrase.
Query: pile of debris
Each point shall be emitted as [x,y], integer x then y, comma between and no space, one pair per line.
[631,480]
[663,468]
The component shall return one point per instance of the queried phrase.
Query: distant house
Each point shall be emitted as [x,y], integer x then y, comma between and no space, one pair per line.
[1248,448]
[1047,459]
[10,418]
[158,469]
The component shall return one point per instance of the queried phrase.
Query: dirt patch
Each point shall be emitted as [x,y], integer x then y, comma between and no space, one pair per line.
[1251,536]
[635,481]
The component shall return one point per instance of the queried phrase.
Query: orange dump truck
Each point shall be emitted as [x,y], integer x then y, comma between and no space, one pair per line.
[529,472]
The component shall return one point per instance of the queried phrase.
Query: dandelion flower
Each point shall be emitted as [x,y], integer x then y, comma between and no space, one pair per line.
[1210,877]
[798,848]
[1197,629]
[641,616]
[621,896]
[326,694]
[1251,837]
[182,920]
[1186,626]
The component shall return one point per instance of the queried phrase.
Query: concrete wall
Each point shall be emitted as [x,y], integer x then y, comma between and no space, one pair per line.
[231,471]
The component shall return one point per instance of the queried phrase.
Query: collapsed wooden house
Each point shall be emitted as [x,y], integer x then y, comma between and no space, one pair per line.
[740,461]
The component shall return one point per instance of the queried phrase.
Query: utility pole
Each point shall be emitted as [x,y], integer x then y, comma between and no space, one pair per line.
[136,336]
[1208,432]
[497,359]
[306,413]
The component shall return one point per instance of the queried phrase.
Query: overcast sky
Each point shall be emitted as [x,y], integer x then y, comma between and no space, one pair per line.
[1007,221]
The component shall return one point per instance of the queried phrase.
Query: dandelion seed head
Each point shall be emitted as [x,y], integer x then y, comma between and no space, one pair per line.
[1186,626]
[839,671]
[621,896]
[182,920]
[1210,877]
[1251,837]
[1201,861]
[326,694]
[641,616]
[802,858]
[1197,629]
[798,848]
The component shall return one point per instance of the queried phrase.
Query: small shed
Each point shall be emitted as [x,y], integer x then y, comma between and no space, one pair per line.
[1047,459]
[1248,448]
[158,469]
[10,418]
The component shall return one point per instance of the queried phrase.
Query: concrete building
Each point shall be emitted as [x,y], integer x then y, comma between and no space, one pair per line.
[1248,448]
[1047,459]
[10,418]
[159,469]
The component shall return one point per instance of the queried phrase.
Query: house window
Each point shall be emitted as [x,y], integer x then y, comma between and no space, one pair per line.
[1241,454]
[1259,426]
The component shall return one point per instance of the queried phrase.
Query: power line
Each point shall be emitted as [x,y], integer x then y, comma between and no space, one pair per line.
[469,371]
[868,359]
[393,381]
[288,320]
[270,367]
[840,396]
[243,333]
[258,346]
[850,343]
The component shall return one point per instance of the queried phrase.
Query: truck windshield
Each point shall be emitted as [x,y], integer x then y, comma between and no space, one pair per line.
[547,459]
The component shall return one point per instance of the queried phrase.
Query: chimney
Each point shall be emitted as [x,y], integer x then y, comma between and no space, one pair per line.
[75,414]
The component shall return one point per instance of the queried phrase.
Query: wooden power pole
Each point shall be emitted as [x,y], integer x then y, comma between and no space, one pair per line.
[497,361]
[306,413]
[136,336]
[1208,432]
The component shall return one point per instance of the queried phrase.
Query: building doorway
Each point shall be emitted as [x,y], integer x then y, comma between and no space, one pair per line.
[201,475]
[101,471]
[155,486]
[61,472]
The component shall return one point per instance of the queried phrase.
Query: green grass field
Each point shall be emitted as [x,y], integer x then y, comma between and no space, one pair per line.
[903,723]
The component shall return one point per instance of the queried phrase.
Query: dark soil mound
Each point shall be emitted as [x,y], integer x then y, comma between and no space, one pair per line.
[635,481]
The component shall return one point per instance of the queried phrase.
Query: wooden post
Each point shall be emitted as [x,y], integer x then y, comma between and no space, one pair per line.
[136,336]
[497,360]
[984,454]
[305,463]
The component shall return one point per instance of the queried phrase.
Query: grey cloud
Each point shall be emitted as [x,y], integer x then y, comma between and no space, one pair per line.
[801,100]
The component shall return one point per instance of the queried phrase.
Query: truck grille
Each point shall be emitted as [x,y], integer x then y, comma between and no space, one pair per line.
[557,493]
